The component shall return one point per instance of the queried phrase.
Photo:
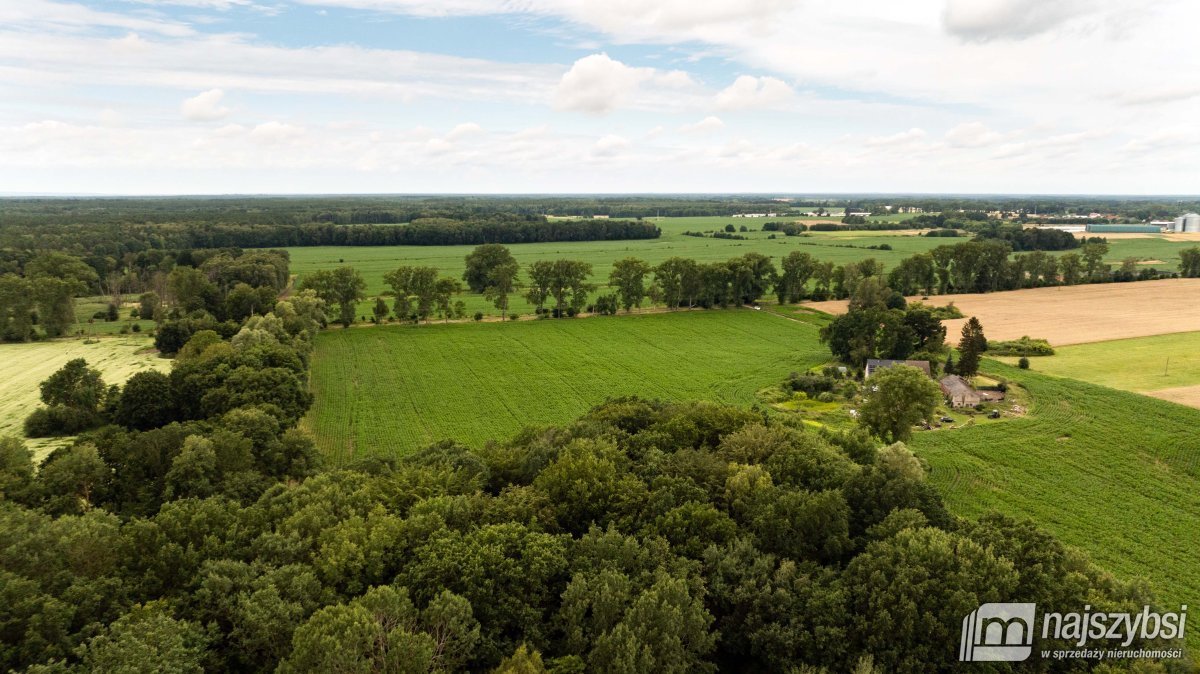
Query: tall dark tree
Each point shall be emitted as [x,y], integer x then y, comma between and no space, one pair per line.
[970,348]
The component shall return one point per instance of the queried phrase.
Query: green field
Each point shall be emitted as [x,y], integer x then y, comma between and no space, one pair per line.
[837,247]
[1138,364]
[1114,473]
[389,390]
[24,366]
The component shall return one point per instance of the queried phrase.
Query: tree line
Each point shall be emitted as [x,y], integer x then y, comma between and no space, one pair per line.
[119,239]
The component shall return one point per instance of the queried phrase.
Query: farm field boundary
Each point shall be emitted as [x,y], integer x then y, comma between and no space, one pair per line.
[1073,314]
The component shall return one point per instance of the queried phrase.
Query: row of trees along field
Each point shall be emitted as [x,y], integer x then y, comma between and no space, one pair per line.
[564,287]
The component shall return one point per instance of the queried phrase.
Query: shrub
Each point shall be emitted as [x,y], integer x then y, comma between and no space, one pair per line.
[46,422]
[478,316]
[1023,363]
[1025,346]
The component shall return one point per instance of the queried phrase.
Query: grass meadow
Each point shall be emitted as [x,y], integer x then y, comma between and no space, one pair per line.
[1114,473]
[1141,364]
[24,366]
[390,390]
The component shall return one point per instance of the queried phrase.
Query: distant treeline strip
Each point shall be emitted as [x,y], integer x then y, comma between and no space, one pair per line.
[118,239]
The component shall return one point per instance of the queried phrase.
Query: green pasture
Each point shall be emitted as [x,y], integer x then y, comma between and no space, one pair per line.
[1114,473]
[1137,364]
[390,390]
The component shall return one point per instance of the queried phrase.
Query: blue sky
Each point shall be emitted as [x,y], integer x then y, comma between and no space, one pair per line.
[276,96]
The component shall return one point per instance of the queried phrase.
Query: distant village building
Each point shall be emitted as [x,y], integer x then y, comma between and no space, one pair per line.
[881,364]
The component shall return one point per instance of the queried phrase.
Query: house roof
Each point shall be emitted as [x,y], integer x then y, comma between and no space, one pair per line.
[877,363]
[956,385]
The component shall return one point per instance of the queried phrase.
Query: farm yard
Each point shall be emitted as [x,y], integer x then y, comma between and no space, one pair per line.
[391,390]
[24,366]
[1073,314]
[1113,473]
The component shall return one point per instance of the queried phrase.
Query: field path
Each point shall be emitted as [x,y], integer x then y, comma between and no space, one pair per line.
[1073,314]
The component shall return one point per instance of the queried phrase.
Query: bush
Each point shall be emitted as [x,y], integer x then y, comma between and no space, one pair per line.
[1025,346]
[478,316]
[57,420]
[1023,363]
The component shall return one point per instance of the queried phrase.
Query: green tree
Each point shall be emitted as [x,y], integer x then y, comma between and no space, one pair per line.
[16,469]
[415,290]
[149,306]
[342,287]
[147,639]
[501,282]
[146,401]
[895,399]
[1071,268]
[1093,260]
[355,639]
[445,290]
[482,261]
[970,348]
[792,284]
[380,310]
[628,278]
[74,385]
[1189,262]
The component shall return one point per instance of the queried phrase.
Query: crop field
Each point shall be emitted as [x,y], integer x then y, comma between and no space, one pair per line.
[24,366]
[1164,366]
[1074,314]
[1113,473]
[390,390]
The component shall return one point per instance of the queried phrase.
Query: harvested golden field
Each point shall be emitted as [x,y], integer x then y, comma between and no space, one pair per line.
[1074,314]
[24,366]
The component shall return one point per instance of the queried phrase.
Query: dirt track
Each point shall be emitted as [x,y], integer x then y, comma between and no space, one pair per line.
[1075,314]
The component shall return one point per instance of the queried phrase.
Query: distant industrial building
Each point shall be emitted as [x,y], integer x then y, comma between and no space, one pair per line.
[1186,223]
[1123,229]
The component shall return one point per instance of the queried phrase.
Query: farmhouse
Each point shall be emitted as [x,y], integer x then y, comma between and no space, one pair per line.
[879,364]
[959,392]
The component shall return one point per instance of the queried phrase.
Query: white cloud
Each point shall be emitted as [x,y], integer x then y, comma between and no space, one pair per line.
[598,84]
[610,145]
[985,20]
[972,134]
[706,125]
[205,106]
[897,139]
[464,130]
[748,91]
[275,132]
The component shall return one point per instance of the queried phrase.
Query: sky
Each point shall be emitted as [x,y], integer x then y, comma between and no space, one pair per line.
[599,96]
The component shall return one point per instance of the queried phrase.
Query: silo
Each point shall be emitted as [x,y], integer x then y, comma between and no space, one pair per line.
[1191,222]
